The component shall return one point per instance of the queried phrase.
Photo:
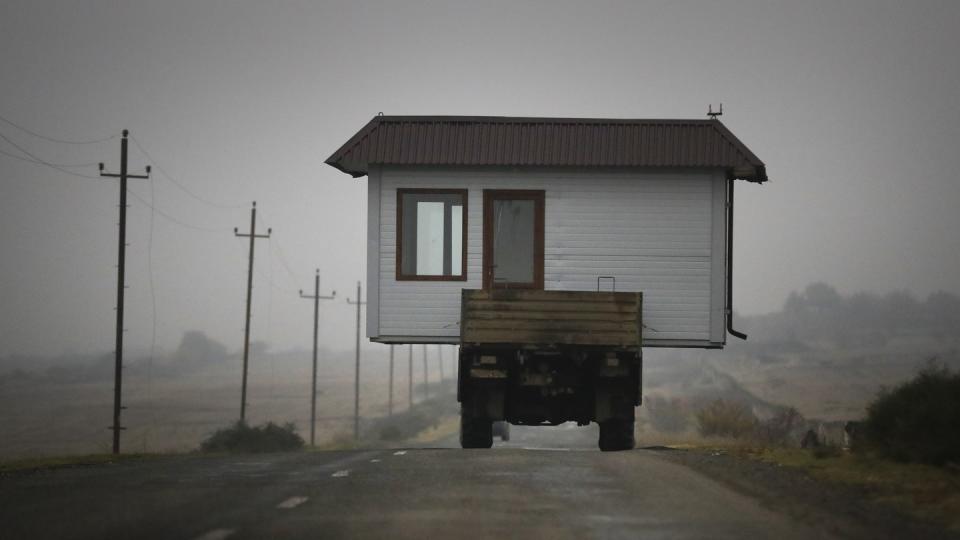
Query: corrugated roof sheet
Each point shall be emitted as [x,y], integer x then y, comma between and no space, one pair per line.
[577,142]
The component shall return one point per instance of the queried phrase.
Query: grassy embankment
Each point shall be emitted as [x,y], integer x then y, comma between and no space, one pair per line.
[926,492]
[427,422]
[62,462]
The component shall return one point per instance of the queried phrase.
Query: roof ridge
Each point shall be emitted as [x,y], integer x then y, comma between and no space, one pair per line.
[540,119]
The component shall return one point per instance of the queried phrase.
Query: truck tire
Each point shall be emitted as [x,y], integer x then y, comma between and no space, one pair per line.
[616,434]
[475,432]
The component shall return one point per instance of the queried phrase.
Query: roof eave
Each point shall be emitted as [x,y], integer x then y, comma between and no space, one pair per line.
[756,175]
[754,171]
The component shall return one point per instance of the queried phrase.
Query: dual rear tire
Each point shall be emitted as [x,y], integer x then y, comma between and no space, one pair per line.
[616,434]
[475,432]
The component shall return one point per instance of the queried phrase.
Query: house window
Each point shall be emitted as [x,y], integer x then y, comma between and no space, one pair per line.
[431,234]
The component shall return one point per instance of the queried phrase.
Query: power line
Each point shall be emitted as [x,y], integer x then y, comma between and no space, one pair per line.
[52,139]
[283,259]
[65,165]
[272,284]
[295,277]
[184,188]
[44,162]
[173,219]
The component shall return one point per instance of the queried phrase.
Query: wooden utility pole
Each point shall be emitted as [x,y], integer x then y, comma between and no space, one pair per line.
[390,392]
[440,361]
[316,316]
[426,375]
[456,363]
[356,374]
[121,267]
[410,379]
[246,329]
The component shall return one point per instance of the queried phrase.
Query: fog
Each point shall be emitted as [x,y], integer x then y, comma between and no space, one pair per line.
[852,107]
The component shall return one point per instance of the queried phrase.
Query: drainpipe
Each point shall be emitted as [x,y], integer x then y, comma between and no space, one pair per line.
[730,329]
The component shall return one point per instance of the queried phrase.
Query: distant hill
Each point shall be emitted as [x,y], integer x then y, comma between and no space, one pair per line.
[820,315]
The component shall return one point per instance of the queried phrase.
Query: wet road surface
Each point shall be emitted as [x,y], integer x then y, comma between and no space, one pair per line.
[544,483]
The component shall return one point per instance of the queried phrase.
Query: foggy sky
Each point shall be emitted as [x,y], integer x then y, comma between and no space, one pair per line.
[853,106]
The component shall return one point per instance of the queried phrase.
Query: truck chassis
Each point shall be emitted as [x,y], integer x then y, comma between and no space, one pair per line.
[549,357]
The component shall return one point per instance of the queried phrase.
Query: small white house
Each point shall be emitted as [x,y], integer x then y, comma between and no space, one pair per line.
[548,203]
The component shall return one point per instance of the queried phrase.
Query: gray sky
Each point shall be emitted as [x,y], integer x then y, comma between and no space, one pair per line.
[852,105]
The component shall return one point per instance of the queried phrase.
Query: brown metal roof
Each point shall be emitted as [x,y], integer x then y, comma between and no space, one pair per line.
[578,142]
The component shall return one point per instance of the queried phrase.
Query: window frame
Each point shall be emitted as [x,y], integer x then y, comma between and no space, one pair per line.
[400,276]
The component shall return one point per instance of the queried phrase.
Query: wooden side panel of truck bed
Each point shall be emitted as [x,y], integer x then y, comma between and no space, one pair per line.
[551,318]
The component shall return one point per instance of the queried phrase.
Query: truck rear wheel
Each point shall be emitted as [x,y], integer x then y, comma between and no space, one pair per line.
[475,432]
[616,434]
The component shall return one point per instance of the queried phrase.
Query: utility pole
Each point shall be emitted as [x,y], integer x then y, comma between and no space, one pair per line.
[356,373]
[440,362]
[246,329]
[456,363]
[390,392]
[426,375]
[410,379]
[121,267]
[316,315]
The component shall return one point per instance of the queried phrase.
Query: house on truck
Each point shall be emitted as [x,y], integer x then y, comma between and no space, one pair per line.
[640,205]
[533,210]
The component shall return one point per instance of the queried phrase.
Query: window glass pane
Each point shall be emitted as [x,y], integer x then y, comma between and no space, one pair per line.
[429,238]
[513,241]
[432,241]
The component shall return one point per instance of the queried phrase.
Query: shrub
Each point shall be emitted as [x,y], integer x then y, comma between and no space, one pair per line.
[777,429]
[240,437]
[825,451]
[918,421]
[725,418]
[667,415]
[390,433]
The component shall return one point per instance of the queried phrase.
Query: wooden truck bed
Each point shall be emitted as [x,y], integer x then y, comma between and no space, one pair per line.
[551,318]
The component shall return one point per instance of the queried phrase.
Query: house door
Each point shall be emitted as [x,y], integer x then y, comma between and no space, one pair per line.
[512,239]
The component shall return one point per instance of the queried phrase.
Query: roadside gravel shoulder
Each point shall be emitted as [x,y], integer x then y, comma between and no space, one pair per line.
[841,510]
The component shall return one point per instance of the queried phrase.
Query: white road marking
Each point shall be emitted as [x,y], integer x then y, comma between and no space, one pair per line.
[217,534]
[374,461]
[341,474]
[400,452]
[292,502]
[536,449]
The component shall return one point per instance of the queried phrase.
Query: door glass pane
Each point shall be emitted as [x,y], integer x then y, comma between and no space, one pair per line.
[513,241]
[456,240]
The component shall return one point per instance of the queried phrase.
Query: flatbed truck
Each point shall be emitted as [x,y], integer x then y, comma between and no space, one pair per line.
[538,357]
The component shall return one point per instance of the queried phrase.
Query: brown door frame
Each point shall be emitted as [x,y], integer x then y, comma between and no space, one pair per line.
[537,196]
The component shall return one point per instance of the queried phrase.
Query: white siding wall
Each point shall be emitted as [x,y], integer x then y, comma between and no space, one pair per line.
[655,233]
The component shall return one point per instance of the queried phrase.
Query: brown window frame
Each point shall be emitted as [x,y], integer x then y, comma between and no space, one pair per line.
[399,258]
[537,196]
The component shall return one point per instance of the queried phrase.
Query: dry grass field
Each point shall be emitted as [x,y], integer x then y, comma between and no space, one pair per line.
[174,411]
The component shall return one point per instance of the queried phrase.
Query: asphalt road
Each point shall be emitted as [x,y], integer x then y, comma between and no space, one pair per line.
[544,483]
